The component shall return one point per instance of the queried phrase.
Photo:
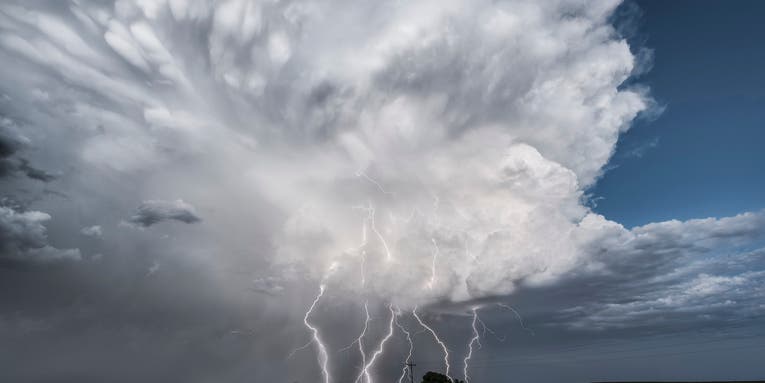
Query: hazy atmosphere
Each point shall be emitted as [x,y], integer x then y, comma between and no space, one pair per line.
[323,191]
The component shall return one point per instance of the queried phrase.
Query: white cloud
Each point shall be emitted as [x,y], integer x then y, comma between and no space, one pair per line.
[473,127]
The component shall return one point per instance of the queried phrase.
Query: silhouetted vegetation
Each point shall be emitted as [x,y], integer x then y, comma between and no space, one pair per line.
[434,377]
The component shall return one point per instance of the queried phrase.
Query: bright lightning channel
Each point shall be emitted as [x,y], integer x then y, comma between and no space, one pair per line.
[411,349]
[438,340]
[379,236]
[323,357]
[436,252]
[369,222]
[371,214]
[360,342]
[380,349]
[475,339]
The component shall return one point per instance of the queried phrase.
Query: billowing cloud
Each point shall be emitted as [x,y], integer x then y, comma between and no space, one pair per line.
[667,274]
[155,211]
[431,153]
[23,239]
[457,148]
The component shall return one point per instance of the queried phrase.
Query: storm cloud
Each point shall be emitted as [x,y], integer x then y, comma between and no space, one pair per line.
[24,239]
[11,142]
[431,154]
[155,211]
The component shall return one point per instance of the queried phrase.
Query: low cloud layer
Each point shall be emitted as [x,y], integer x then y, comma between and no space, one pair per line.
[668,275]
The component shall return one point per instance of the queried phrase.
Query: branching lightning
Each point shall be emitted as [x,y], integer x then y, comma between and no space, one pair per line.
[360,341]
[380,349]
[303,347]
[438,340]
[517,315]
[475,339]
[365,373]
[404,370]
[490,331]
[323,357]
[369,222]
[361,173]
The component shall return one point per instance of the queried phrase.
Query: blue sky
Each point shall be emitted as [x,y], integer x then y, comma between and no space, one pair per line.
[704,155]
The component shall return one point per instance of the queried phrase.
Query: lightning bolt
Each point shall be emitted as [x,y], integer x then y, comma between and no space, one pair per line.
[360,341]
[438,340]
[411,349]
[363,255]
[303,347]
[361,173]
[489,330]
[518,316]
[323,358]
[377,233]
[380,349]
[371,214]
[433,264]
[362,249]
[369,222]
[474,339]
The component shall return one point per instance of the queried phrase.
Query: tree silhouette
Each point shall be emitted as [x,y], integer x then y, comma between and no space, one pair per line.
[434,377]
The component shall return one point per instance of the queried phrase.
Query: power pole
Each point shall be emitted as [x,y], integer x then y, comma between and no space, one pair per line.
[411,371]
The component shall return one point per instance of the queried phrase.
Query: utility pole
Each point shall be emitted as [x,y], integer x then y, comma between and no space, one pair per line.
[411,371]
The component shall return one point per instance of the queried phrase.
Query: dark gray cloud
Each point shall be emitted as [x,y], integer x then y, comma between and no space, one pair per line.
[679,280]
[11,142]
[23,239]
[34,173]
[155,211]
[268,285]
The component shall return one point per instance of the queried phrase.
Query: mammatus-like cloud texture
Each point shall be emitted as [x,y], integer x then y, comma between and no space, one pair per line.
[419,153]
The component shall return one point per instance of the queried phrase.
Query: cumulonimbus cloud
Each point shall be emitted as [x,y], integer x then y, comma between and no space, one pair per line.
[419,151]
